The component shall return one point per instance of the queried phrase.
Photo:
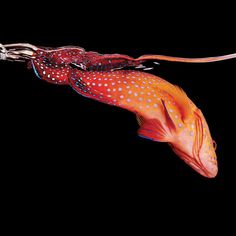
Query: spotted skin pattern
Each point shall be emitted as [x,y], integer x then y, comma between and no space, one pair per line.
[126,88]
[164,112]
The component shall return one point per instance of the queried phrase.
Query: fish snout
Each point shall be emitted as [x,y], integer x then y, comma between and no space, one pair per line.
[209,166]
[204,167]
[203,163]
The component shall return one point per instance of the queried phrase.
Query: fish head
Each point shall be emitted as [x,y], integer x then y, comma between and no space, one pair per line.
[193,143]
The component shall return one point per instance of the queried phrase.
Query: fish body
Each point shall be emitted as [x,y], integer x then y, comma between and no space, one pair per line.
[164,112]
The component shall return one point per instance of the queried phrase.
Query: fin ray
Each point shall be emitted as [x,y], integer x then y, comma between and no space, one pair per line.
[152,129]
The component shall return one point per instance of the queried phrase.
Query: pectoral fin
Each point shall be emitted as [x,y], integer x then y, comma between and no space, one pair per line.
[152,129]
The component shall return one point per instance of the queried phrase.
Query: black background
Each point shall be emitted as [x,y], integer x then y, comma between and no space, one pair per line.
[61,146]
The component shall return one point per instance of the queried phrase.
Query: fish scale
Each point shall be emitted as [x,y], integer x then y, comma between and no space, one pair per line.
[52,73]
[126,89]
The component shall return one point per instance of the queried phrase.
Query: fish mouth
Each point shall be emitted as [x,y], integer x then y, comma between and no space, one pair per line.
[192,162]
[204,166]
[208,166]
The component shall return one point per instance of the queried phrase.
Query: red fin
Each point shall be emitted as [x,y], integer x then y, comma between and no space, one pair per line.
[152,129]
[155,129]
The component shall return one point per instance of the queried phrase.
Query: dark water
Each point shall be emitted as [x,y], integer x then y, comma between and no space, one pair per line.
[59,146]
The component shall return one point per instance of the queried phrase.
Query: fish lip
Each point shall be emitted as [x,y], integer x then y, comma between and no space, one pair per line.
[193,163]
[211,169]
[204,171]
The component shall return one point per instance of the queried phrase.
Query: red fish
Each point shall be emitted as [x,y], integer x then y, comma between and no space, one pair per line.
[164,112]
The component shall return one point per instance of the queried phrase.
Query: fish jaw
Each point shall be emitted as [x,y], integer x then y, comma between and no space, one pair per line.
[202,159]
[204,166]
[208,160]
[212,169]
[208,170]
